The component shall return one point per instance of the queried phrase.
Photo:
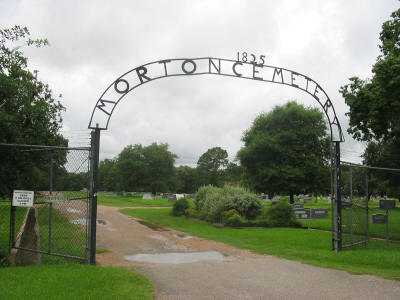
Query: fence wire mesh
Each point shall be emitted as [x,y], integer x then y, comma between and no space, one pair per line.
[60,178]
[366,191]
[354,206]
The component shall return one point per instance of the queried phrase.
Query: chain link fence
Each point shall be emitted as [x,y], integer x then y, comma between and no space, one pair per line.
[57,226]
[370,204]
[354,205]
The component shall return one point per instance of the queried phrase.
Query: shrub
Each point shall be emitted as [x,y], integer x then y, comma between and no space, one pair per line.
[180,207]
[202,194]
[212,202]
[281,215]
[232,218]
[193,213]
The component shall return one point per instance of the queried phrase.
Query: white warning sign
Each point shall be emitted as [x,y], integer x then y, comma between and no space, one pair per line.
[23,198]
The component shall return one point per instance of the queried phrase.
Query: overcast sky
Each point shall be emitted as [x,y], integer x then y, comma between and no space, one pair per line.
[94,42]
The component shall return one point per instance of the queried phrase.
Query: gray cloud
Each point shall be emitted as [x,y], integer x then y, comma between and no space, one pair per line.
[93,42]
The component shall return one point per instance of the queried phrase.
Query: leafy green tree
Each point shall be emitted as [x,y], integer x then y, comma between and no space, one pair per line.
[187,179]
[383,154]
[233,174]
[29,114]
[145,168]
[375,108]
[287,151]
[107,175]
[211,166]
[375,103]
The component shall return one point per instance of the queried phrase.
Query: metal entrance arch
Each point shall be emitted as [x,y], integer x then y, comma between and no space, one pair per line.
[140,75]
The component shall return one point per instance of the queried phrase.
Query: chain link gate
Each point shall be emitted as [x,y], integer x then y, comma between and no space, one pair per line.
[58,226]
[355,211]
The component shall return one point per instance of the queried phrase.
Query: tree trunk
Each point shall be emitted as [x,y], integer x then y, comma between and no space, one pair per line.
[291,199]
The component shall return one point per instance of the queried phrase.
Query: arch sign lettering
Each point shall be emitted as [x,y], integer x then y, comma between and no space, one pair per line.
[240,68]
[138,76]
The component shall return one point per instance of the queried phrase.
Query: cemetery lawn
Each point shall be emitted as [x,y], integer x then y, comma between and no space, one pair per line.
[127,201]
[73,282]
[304,245]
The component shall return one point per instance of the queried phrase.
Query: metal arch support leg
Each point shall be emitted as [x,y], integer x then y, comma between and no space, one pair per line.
[94,165]
[337,204]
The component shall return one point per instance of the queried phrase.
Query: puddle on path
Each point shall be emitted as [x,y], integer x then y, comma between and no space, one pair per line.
[177,258]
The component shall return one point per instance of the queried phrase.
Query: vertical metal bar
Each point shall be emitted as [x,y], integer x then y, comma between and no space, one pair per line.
[338,200]
[332,195]
[95,149]
[387,226]
[51,203]
[12,226]
[366,208]
[351,204]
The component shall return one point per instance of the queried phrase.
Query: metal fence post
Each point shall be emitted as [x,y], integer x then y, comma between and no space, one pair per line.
[12,226]
[351,203]
[338,200]
[95,149]
[51,203]
[366,207]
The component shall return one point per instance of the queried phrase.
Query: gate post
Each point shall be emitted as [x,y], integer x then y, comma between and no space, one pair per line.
[337,204]
[94,164]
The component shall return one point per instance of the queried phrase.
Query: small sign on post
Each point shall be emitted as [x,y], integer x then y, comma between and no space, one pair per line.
[23,198]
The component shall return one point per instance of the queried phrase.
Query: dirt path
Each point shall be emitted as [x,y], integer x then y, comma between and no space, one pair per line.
[224,272]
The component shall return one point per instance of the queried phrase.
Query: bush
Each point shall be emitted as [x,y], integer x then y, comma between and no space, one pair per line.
[212,202]
[280,215]
[233,218]
[180,207]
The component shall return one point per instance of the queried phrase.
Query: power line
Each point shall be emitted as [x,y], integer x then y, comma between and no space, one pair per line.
[369,167]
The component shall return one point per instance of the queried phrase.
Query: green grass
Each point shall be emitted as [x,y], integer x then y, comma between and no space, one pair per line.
[66,238]
[73,282]
[309,246]
[375,230]
[126,201]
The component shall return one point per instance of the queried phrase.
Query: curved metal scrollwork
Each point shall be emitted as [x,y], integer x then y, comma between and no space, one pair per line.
[211,66]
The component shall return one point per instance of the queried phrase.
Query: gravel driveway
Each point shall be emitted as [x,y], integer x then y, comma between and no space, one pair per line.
[185,267]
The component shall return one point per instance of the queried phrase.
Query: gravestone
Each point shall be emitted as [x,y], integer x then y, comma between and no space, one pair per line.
[147,196]
[379,219]
[297,206]
[317,213]
[302,213]
[387,204]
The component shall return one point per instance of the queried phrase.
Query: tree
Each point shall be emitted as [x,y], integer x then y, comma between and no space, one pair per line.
[375,108]
[187,179]
[287,151]
[375,103]
[211,165]
[29,114]
[145,168]
[233,174]
[383,154]
[107,175]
